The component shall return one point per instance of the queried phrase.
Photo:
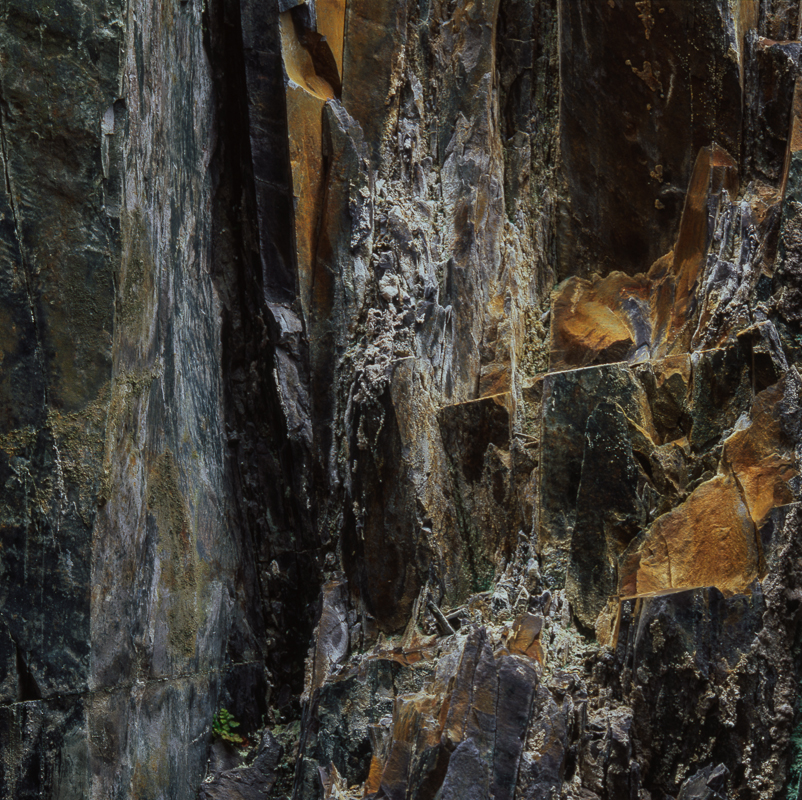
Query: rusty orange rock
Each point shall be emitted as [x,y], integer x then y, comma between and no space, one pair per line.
[709,540]
[304,113]
[760,458]
[299,64]
[331,24]
[414,728]
[306,95]
[621,317]
[374,779]
[675,290]
[525,637]
[599,321]
[375,31]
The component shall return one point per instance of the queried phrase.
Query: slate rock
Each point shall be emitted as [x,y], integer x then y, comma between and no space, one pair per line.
[467,775]
[707,784]
[252,782]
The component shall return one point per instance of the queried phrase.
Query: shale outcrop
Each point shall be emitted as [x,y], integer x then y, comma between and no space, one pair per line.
[416,380]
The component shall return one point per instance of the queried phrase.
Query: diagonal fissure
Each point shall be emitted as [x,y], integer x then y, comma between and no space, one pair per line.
[26,270]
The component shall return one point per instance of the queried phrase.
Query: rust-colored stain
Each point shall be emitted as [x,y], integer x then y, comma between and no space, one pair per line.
[524,639]
[760,458]
[306,95]
[597,320]
[305,118]
[331,24]
[603,320]
[298,62]
[709,540]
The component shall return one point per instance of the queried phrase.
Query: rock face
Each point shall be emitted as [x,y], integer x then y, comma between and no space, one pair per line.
[418,381]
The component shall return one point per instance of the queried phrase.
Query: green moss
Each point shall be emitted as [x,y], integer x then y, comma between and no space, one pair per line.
[179,558]
[136,295]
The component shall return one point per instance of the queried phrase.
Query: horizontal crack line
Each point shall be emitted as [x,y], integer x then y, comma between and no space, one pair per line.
[108,690]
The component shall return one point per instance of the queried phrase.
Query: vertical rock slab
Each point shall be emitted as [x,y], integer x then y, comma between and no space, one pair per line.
[59,250]
[771,70]
[307,92]
[517,683]
[344,739]
[720,391]
[259,47]
[527,64]
[610,511]
[265,370]
[330,18]
[760,452]
[400,251]
[384,548]
[372,55]
[633,118]
[165,596]
[469,151]
[569,400]
[476,440]
[675,297]
[786,277]
[467,775]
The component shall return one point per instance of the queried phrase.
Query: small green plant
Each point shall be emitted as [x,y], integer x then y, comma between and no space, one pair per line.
[223,726]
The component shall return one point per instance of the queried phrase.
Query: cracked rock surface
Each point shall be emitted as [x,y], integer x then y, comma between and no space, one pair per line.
[416,380]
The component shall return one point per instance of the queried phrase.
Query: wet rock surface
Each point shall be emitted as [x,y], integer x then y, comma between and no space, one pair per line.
[418,382]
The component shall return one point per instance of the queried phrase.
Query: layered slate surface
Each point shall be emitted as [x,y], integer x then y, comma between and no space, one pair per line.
[118,613]
[462,332]
[561,406]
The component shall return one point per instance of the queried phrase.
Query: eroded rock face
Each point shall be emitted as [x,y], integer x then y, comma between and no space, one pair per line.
[122,610]
[644,88]
[416,380]
[647,465]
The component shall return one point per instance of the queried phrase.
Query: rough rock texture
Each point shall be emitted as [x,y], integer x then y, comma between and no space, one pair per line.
[417,380]
[129,599]
[250,782]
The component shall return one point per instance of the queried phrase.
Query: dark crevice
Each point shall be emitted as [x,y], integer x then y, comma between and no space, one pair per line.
[27,687]
[645,465]
[26,270]
[254,259]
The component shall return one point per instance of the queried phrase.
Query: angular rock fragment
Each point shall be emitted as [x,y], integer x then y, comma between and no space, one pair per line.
[707,784]
[709,540]
[525,637]
[251,782]
[682,302]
